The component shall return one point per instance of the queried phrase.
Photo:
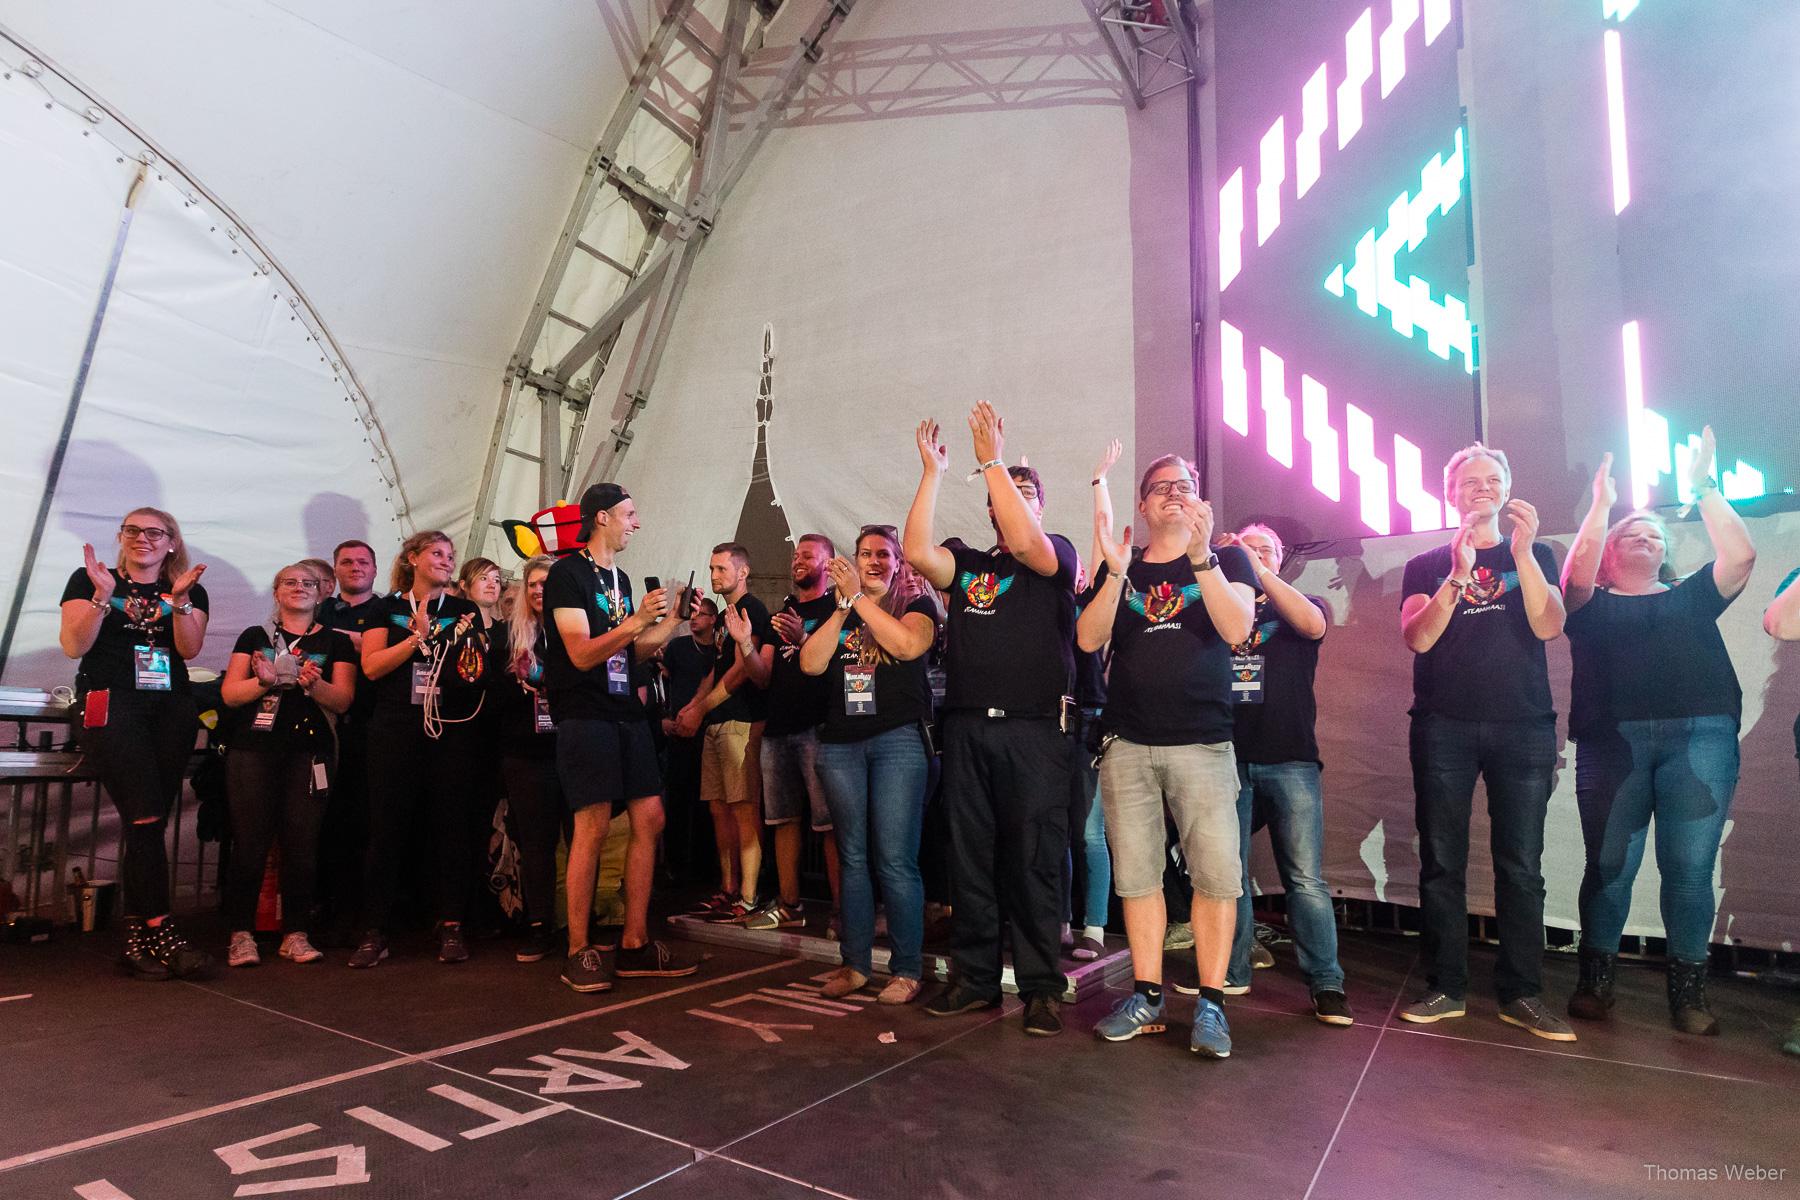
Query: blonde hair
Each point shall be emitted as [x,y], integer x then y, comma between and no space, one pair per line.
[908,584]
[305,565]
[400,576]
[523,624]
[175,563]
[1664,572]
[1475,450]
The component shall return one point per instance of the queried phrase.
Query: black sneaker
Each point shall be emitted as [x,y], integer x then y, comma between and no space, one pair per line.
[588,970]
[735,913]
[654,960]
[539,943]
[1333,1008]
[712,904]
[372,949]
[451,947]
[168,947]
[1043,1015]
[138,957]
[956,1000]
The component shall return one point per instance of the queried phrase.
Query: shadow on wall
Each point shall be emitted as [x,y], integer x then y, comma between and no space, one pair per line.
[332,517]
[1757,860]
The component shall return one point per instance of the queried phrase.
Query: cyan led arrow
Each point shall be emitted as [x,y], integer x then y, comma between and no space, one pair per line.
[1372,278]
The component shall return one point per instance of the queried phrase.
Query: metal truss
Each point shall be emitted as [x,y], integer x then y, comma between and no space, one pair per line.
[1156,43]
[651,193]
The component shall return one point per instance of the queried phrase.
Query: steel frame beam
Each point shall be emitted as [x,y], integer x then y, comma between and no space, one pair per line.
[1153,57]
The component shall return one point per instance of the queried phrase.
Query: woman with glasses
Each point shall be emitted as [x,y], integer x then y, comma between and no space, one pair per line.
[426,658]
[134,627]
[527,737]
[872,755]
[289,680]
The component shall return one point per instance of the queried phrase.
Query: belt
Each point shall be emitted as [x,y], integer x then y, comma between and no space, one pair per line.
[1000,714]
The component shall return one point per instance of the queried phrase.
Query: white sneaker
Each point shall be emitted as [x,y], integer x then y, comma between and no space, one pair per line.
[295,948]
[243,950]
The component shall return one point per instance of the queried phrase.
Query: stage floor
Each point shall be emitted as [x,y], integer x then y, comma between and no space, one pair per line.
[490,1079]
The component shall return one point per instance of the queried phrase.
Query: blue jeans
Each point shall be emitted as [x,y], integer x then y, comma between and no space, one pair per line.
[1682,771]
[1287,798]
[876,789]
[1517,760]
[1098,858]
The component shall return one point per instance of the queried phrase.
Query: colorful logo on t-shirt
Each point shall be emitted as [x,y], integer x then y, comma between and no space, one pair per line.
[1258,637]
[859,646]
[141,612]
[1162,602]
[1485,587]
[983,590]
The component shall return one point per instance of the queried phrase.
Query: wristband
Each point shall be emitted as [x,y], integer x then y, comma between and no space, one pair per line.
[98,604]
[184,609]
[1099,483]
[1459,584]
[844,604]
[992,462]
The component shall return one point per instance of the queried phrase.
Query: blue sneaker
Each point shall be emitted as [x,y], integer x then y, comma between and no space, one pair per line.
[1131,1016]
[1212,1036]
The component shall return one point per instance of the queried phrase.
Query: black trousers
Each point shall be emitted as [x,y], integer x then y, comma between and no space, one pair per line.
[344,837]
[534,816]
[271,796]
[1006,793]
[1084,780]
[140,755]
[422,800]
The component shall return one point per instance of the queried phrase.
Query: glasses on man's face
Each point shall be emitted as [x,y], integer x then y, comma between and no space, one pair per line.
[149,533]
[1173,487]
[1027,491]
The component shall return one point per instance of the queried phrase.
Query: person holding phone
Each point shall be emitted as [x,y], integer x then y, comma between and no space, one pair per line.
[134,627]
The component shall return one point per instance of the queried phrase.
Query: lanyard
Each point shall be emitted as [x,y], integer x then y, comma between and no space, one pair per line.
[614,599]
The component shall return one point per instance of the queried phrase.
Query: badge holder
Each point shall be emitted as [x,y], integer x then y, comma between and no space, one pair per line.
[859,691]
[618,675]
[155,673]
[1247,678]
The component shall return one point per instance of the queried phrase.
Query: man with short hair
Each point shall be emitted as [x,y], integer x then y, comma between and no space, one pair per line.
[790,744]
[1476,614]
[604,752]
[729,711]
[344,833]
[1010,663]
[1278,773]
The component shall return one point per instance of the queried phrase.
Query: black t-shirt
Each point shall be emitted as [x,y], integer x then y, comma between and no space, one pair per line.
[1645,658]
[902,692]
[1090,667]
[1171,671]
[137,616]
[603,594]
[355,618]
[687,663]
[1280,729]
[1487,665]
[513,699]
[461,660]
[797,701]
[1010,633]
[747,702]
[299,721]
[1785,585]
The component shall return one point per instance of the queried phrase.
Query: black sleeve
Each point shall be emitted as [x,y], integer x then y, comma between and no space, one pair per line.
[1417,580]
[200,599]
[1706,602]
[562,589]
[1546,561]
[1234,561]
[762,627]
[79,587]
[338,649]
[922,604]
[251,641]
[1324,611]
[1068,563]
[960,553]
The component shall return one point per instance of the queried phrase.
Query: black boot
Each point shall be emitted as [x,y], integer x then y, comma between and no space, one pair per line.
[139,959]
[178,959]
[1593,998]
[1687,999]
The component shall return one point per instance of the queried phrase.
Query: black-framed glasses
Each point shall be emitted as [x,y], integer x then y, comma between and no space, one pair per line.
[149,533]
[1178,487]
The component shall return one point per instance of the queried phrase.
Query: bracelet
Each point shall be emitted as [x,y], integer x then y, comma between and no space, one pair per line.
[98,605]
[992,462]
[844,605]
[183,609]
[1101,482]
[1459,584]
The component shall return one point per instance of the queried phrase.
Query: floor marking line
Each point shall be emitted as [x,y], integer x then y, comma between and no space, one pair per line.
[1597,1058]
[750,1166]
[429,1056]
[1338,1129]
[412,1135]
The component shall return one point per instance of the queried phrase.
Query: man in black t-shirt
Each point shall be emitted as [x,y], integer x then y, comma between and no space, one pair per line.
[604,753]
[686,662]
[1009,660]
[1278,773]
[1171,615]
[345,833]
[728,713]
[1476,614]
[791,790]
[1781,620]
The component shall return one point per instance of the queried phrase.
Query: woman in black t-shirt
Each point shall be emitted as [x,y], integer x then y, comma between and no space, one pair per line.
[134,627]
[426,659]
[527,737]
[1654,709]
[872,756]
[290,679]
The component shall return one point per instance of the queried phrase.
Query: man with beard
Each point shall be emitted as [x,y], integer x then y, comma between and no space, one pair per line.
[790,745]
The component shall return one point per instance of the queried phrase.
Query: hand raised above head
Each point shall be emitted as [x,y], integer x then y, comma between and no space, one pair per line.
[1108,458]
[932,451]
[988,431]
[1606,491]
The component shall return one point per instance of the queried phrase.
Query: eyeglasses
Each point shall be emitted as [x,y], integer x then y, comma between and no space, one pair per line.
[149,533]
[887,531]
[1177,487]
[311,585]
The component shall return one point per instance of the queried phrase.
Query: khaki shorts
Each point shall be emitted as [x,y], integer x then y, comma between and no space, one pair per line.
[729,763]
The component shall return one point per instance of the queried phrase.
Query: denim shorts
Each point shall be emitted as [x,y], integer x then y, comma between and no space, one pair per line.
[790,779]
[1199,783]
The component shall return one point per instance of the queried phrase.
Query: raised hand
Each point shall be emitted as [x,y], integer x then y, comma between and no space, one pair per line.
[1606,491]
[843,578]
[1462,552]
[789,627]
[182,586]
[1199,516]
[1117,555]
[988,432]
[1524,528]
[736,623]
[932,451]
[1113,449]
[97,574]
[1700,467]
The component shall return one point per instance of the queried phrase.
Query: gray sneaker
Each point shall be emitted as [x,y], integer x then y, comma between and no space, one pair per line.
[1434,1007]
[1178,936]
[1260,956]
[1529,1013]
